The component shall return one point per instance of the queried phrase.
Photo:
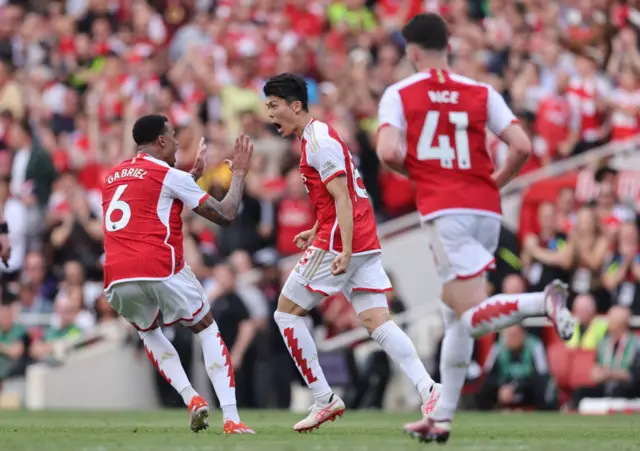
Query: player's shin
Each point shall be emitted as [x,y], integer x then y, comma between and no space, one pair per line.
[218,363]
[456,351]
[397,345]
[166,360]
[501,311]
[303,351]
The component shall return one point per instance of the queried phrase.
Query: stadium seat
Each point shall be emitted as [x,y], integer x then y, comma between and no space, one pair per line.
[560,362]
[580,372]
[546,190]
[550,337]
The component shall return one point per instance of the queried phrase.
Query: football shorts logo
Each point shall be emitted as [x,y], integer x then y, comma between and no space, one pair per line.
[304,261]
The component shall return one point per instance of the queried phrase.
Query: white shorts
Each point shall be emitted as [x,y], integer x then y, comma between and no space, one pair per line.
[311,280]
[180,298]
[463,245]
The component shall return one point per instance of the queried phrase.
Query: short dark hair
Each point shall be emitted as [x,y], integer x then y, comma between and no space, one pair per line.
[289,87]
[148,128]
[602,172]
[428,30]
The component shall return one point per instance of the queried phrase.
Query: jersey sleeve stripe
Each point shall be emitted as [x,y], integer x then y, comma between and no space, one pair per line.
[314,139]
[333,176]
[204,198]
[383,125]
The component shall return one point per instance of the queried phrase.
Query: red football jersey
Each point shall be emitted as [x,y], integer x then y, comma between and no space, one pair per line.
[324,157]
[553,123]
[444,118]
[624,122]
[583,95]
[142,200]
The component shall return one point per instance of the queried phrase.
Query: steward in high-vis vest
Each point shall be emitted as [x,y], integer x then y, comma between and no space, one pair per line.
[587,337]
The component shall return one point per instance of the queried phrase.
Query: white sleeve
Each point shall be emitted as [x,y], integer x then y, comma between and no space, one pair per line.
[499,115]
[575,118]
[16,216]
[390,111]
[327,157]
[181,185]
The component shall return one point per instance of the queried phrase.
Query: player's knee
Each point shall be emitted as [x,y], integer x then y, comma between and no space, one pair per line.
[203,324]
[373,318]
[286,305]
[284,319]
[462,295]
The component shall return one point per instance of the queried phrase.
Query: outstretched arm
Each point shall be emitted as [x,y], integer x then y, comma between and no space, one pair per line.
[224,211]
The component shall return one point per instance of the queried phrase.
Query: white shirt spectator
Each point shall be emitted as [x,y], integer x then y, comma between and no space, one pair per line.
[16,216]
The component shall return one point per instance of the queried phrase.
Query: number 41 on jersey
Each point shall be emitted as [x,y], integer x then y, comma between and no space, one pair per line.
[444,151]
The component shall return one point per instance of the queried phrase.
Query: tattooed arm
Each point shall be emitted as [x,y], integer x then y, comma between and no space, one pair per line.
[224,212]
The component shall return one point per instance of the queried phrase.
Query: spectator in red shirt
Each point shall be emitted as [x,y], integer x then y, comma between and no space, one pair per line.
[553,121]
[294,214]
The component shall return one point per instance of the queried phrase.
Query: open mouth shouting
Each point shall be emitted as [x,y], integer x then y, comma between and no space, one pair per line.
[278,127]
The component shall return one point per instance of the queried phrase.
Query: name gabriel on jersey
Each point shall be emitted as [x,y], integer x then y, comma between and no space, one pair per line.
[126,173]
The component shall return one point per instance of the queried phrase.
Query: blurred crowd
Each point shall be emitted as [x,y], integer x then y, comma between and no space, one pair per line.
[75,74]
[593,247]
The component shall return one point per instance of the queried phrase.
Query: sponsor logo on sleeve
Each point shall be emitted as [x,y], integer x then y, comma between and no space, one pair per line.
[327,168]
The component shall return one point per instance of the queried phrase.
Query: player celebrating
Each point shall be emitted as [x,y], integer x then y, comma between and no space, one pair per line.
[433,129]
[335,259]
[144,270]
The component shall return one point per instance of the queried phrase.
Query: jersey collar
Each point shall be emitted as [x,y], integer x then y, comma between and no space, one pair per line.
[146,156]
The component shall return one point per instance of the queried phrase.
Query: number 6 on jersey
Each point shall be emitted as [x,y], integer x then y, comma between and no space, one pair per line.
[117,205]
[444,151]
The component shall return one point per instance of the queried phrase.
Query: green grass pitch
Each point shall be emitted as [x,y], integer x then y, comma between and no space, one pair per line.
[356,431]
